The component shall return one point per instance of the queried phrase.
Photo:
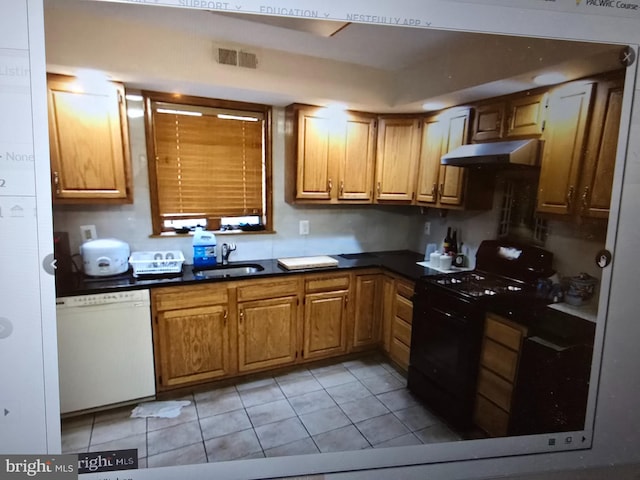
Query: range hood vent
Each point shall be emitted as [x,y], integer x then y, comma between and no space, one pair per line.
[516,152]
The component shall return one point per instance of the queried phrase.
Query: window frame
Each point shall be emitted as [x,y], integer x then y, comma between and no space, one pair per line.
[265,110]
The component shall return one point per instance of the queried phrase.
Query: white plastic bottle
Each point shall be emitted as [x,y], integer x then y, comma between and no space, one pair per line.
[204,249]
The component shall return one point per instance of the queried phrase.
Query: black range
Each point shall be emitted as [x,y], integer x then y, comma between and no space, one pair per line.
[448,321]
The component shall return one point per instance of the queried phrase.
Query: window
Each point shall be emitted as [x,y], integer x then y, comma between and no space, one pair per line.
[209,160]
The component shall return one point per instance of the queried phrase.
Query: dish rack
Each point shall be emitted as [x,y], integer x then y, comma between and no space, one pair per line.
[156,263]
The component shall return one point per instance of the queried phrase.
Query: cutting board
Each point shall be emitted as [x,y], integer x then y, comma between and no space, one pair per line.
[300,263]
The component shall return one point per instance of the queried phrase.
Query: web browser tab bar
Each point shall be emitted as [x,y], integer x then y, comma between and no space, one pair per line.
[615,8]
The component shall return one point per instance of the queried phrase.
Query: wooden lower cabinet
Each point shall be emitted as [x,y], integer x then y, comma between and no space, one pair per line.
[193,345]
[325,324]
[367,310]
[212,331]
[267,333]
[499,360]
[398,316]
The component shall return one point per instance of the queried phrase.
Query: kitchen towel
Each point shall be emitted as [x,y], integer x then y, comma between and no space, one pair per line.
[168,409]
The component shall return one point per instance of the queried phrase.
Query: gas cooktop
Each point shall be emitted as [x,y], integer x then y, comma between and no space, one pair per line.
[480,284]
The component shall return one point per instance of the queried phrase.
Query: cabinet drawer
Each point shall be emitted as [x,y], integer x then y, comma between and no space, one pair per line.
[499,359]
[399,352]
[324,284]
[404,309]
[504,332]
[496,389]
[401,331]
[490,418]
[189,297]
[405,289]
[267,289]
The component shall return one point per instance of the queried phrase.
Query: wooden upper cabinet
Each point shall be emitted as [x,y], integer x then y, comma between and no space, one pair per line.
[565,136]
[314,156]
[451,187]
[429,164]
[89,142]
[597,177]
[518,115]
[333,156]
[357,159]
[526,115]
[489,121]
[397,159]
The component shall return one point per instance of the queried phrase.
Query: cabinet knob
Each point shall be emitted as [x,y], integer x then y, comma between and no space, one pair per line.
[241,315]
[329,186]
[441,190]
[341,188]
[434,191]
[378,189]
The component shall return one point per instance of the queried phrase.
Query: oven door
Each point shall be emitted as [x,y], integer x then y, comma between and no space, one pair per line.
[445,350]
[445,340]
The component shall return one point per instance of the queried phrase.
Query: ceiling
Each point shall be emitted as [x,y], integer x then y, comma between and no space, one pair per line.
[448,67]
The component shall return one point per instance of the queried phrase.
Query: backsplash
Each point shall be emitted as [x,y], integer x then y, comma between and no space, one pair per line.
[333,230]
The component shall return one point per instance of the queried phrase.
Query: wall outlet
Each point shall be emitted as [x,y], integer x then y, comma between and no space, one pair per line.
[304,227]
[88,232]
[427,228]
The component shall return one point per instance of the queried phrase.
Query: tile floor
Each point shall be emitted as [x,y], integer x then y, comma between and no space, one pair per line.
[361,403]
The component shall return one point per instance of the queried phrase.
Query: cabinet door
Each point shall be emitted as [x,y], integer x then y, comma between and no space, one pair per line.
[366,328]
[389,295]
[429,164]
[565,135]
[600,159]
[356,161]
[325,328]
[267,333]
[193,344]
[488,123]
[90,158]
[396,159]
[526,115]
[314,156]
[452,178]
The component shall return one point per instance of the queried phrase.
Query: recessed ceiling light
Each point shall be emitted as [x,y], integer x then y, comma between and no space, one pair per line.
[549,78]
[431,106]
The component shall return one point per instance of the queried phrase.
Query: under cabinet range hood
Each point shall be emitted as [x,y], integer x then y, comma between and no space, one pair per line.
[515,152]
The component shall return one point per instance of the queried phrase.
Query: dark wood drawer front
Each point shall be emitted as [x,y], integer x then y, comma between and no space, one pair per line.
[495,388]
[490,417]
[507,335]
[405,289]
[404,309]
[499,359]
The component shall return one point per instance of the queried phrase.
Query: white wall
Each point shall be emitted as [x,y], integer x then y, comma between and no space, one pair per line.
[332,230]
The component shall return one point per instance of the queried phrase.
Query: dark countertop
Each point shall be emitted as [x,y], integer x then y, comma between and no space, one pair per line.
[401,262]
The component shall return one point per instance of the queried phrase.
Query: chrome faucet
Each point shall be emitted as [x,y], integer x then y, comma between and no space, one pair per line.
[226,251]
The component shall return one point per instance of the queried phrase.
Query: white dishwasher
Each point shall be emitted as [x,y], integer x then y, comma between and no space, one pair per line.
[105,349]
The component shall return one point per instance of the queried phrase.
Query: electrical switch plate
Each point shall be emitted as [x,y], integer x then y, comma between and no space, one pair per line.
[304,227]
[427,228]
[88,232]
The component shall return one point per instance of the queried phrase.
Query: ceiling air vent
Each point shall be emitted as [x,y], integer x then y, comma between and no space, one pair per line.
[247,60]
[227,56]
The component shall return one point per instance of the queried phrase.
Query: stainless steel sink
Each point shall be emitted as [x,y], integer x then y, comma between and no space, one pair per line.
[234,270]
